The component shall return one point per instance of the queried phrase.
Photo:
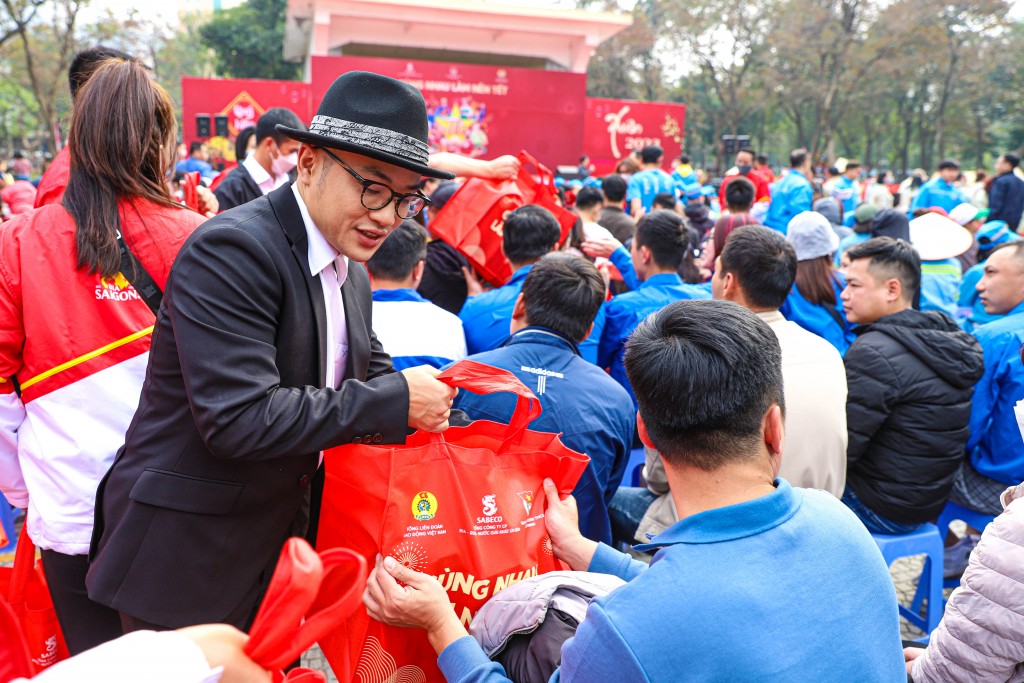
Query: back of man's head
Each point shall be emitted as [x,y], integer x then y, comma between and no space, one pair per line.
[398,255]
[684,159]
[266,125]
[195,148]
[614,188]
[665,200]
[888,259]
[762,159]
[763,263]
[85,63]
[798,157]
[664,234]
[652,154]
[704,374]
[530,232]
[949,165]
[588,198]
[739,194]
[1012,160]
[563,292]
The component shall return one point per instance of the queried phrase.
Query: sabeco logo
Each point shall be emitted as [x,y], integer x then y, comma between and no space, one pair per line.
[116,288]
[424,506]
[490,510]
[630,128]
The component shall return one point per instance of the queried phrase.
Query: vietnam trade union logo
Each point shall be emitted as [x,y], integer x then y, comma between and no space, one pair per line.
[424,506]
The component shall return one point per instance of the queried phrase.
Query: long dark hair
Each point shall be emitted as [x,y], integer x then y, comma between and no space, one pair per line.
[814,281]
[122,144]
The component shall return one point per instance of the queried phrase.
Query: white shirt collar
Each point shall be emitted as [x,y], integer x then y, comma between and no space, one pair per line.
[321,254]
[261,177]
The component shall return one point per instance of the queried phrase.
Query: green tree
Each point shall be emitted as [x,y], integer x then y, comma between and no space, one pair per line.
[248,41]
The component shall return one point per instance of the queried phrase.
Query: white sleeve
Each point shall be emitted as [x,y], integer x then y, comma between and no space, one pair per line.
[12,484]
[164,657]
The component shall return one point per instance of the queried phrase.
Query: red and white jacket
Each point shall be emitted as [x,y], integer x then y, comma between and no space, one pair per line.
[78,345]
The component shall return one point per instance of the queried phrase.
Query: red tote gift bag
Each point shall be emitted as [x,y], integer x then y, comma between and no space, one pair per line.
[466,506]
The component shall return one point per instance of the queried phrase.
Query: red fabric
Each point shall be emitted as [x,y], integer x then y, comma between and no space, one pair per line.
[19,196]
[761,190]
[466,506]
[53,183]
[473,219]
[15,661]
[28,597]
[189,192]
[228,168]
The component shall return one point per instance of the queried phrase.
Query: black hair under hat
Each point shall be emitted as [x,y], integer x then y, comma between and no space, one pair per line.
[372,115]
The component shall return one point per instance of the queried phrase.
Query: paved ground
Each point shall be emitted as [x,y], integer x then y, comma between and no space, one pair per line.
[905,573]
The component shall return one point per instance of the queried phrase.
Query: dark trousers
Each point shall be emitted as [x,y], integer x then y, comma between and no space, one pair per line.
[130,624]
[85,623]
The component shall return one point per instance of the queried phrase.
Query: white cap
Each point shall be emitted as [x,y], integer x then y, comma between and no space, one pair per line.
[812,236]
[964,213]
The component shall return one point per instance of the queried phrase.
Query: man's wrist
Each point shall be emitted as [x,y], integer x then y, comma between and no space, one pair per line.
[446,632]
[577,552]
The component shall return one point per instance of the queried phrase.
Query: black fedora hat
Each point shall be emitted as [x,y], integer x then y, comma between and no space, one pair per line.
[375,116]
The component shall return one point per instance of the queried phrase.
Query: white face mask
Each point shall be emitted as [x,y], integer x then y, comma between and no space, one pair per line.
[284,164]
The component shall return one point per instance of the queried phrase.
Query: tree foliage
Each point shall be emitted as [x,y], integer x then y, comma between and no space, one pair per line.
[248,41]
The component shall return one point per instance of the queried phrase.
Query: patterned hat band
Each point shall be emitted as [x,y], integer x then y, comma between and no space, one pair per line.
[371,137]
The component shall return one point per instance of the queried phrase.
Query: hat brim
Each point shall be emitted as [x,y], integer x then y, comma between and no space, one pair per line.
[317,140]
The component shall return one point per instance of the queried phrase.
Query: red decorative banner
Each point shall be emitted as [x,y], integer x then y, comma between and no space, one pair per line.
[614,128]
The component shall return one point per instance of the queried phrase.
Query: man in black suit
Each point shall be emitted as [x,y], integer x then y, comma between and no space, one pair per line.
[271,165]
[263,356]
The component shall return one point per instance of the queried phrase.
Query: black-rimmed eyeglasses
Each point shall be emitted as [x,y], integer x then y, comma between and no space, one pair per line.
[378,195]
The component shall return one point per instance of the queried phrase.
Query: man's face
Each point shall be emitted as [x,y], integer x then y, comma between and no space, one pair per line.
[333,197]
[852,173]
[1002,166]
[203,154]
[744,159]
[865,298]
[287,147]
[718,280]
[1002,286]
[949,174]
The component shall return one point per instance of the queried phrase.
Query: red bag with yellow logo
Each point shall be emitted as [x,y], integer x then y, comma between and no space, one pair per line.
[466,506]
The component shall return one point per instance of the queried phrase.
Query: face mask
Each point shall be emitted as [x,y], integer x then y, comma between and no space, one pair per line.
[284,164]
[1019,411]
[744,169]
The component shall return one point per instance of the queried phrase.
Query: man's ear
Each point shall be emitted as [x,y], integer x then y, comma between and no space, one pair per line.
[519,309]
[417,273]
[641,428]
[645,254]
[893,289]
[307,162]
[774,428]
[730,287]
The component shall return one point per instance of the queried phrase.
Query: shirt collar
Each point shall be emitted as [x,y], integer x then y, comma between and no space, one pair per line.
[321,254]
[732,522]
[400,294]
[520,274]
[770,316]
[536,334]
[258,173]
[662,280]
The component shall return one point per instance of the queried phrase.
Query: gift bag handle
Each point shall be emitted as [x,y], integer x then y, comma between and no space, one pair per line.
[547,178]
[24,565]
[480,378]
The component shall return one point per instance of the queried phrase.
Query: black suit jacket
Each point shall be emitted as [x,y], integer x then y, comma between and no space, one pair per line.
[217,462]
[236,189]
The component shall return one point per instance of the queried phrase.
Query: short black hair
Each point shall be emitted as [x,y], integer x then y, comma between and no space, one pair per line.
[651,154]
[584,158]
[563,292]
[442,193]
[704,374]
[398,254]
[764,263]
[196,146]
[242,142]
[665,200]
[761,159]
[530,232]
[748,150]
[684,158]
[614,187]
[266,125]
[797,157]
[86,61]
[664,233]
[852,163]
[739,194]
[1012,159]
[949,163]
[891,258]
[588,197]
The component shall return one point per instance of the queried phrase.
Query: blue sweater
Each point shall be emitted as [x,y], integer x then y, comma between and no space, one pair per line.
[995,444]
[790,196]
[818,319]
[786,587]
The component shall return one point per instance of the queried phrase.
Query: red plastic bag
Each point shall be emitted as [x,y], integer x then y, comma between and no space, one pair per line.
[188,189]
[25,587]
[466,506]
[473,219]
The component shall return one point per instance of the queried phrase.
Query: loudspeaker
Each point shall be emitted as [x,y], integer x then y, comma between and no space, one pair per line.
[220,125]
[203,125]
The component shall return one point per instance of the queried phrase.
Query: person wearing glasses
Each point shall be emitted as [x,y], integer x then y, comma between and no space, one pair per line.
[262,358]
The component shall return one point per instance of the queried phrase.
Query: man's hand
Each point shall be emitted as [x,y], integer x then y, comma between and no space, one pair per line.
[473,284]
[503,168]
[601,247]
[430,401]
[910,654]
[398,596]
[562,520]
[223,645]
[208,204]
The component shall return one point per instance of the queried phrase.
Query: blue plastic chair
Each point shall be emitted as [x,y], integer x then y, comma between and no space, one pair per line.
[635,466]
[950,514]
[926,541]
[7,516]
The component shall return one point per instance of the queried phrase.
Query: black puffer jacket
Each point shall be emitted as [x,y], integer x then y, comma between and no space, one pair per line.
[910,377]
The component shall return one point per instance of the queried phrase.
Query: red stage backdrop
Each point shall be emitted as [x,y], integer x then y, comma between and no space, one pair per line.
[614,128]
[242,100]
[483,111]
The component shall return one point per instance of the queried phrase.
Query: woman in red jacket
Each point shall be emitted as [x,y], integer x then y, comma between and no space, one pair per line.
[75,333]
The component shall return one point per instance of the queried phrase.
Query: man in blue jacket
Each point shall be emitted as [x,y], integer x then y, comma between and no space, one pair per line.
[658,248]
[1006,195]
[792,194]
[757,581]
[552,315]
[940,191]
[995,447]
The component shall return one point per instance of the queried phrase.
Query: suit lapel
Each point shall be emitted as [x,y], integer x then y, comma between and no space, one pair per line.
[282,200]
[358,343]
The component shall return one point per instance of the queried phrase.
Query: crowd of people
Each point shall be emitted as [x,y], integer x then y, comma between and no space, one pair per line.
[804,359]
